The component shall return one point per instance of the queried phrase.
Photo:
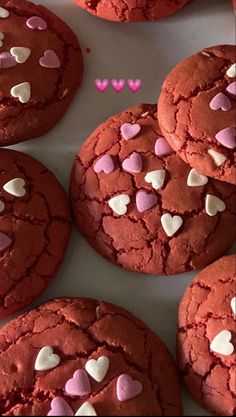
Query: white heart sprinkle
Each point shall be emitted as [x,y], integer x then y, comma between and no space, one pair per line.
[119,204]
[4,13]
[86,410]
[15,187]
[20,53]
[214,204]
[156,178]
[2,206]
[195,179]
[46,359]
[22,92]
[217,157]
[231,72]
[1,39]
[171,224]
[97,369]
[233,305]
[221,343]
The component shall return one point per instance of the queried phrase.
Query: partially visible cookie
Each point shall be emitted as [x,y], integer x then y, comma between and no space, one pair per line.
[207,337]
[196,111]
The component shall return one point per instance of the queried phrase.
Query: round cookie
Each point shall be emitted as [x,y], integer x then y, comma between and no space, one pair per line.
[132,10]
[35,229]
[41,67]
[81,354]
[196,111]
[140,206]
[207,337]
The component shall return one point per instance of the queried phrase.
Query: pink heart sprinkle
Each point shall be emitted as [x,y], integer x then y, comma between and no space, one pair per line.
[220,101]
[127,388]
[79,385]
[50,60]
[7,60]
[232,88]
[59,407]
[227,137]
[145,201]
[102,85]
[134,85]
[133,163]
[162,148]
[118,85]
[5,241]
[104,164]
[36,22]
[130,131]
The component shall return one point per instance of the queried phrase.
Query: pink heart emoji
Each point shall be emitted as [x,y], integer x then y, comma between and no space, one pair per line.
[7,60]
[36,22]
[145,201]
[5,241]
[59,407]
[220,101]
[133,163]
[162,148]
[130,131]
[79,385]
[102,85]
[50,60]
[227,137]
[118,85]
[127,388]
[232,88]
[134,85]
[104,164]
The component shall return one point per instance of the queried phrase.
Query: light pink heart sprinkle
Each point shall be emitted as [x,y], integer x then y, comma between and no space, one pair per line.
[50,60]
[227,137]
[36,23]
[7,60]
[59,407]
[104,164]
[220,101]
[162,148]
[101,85]
[232,88]
[134,85]
[79,385]
[127,388]
[130,131]
[5,241]
[118,85]
[133,163]
[145,201]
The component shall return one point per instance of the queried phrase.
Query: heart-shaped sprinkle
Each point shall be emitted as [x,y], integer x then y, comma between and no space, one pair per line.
[156,178]
[220,101]
[227,137]
[1,38]
[118,85]
[221,343]
[217,157]
[79,385]
[119,204]
[59,407]
[231,72]
[15,187]
[195,179]
[7,60]
[162,148]
[231,89]
[214,204]
[145,201]
[36,23]
[50,60]
[46,359]
[233,305]
[102,85]
[130,131]
[4,13]
[171,224]
[133,163]
[134,85]
[104,164]
[86,410]
[98,369]
[22,92]
[20,54]
[5,241]
[2,206]
[127,388]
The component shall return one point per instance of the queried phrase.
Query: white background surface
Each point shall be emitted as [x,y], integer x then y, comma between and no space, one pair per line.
[147,51]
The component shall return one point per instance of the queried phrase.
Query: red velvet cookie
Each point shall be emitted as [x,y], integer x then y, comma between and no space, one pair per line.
[132,10]
[196,111]
[207,337]
[140,206]
[82,356]
[34,229]
[41,67]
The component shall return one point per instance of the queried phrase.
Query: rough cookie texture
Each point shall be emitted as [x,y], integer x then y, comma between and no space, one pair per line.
[132,10]
[204,312]
[52,88]
[78,330]
[137,240]
[186,118]
[38,225]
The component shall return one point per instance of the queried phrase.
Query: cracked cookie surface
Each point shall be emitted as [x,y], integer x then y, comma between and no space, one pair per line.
[79,330]
[208,309]
[196,111]
[121,213]
[35,229]
[41,68]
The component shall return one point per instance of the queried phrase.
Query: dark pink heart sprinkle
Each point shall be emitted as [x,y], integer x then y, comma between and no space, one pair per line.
[145,201]
[104,164]
[232,88]
[227,137]
[129,130]
[5,241]
[220,101]
[127,388]
[79,385]
[59,407]
[36,22]
[162,148]
[7,60]
[133,163]
[50,60]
